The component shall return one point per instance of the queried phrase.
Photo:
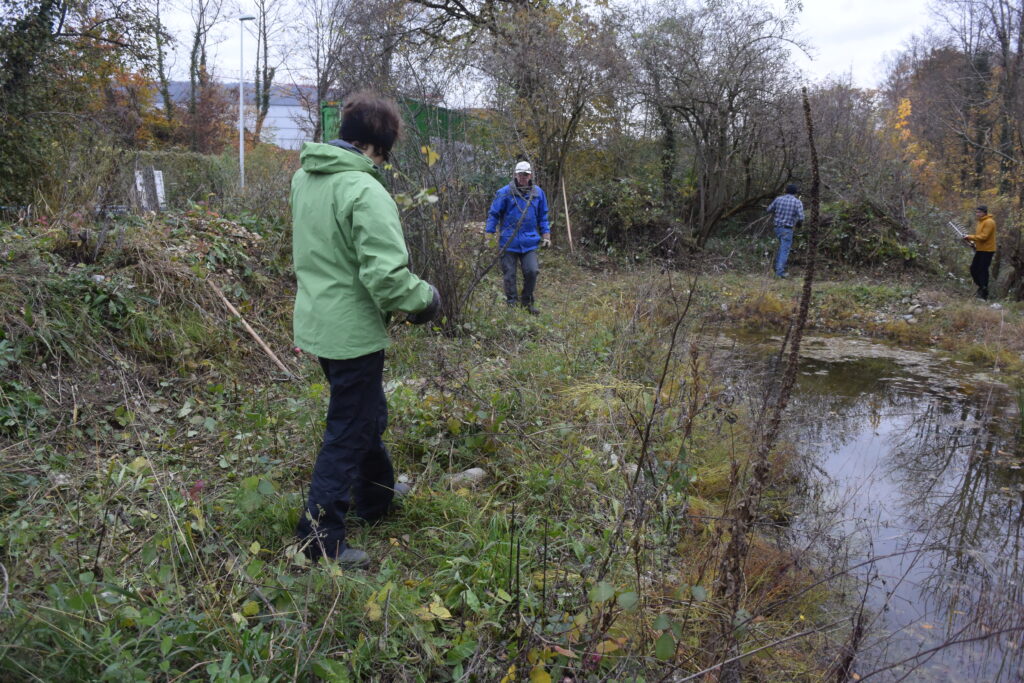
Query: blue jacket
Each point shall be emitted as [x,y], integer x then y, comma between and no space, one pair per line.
[508,207]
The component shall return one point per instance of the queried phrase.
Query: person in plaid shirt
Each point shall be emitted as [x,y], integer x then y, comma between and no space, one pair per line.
[789,214]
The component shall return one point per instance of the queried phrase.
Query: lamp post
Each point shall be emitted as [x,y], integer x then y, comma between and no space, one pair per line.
[241,100]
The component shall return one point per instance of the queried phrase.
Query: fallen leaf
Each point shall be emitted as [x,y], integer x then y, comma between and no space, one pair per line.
[609,646]
[564,652]
[539,675]
[439,610]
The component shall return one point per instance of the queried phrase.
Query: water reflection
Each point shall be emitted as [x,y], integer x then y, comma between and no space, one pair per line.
[920,470]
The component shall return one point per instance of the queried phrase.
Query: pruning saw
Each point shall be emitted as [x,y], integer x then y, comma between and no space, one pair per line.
[959,231]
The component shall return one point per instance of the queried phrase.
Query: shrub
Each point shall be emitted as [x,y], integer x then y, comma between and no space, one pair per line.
[854,234]
[764,310]
[622,213]
[190,176]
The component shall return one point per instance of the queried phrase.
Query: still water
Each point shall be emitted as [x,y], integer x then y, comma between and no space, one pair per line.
[918,486]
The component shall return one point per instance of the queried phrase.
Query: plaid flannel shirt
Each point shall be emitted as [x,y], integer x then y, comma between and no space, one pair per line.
[787,209]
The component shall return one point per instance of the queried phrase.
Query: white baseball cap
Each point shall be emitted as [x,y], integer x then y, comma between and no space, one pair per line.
[524,167]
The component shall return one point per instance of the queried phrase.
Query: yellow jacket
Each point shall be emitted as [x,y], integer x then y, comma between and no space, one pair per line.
[984,236]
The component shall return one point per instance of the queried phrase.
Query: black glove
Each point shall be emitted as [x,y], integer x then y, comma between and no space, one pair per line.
[800,223]
[428,313]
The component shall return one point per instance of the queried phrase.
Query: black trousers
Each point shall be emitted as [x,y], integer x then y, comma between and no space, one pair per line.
[353,468]
[979,270]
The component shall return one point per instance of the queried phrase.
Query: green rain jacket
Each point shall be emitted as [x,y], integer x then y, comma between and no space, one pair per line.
[349,255]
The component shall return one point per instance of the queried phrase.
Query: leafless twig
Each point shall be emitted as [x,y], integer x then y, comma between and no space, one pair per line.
[780,641]
[7,589]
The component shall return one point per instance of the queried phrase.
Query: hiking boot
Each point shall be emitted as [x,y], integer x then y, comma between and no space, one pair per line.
[531,309]
[353,558]
[315,542]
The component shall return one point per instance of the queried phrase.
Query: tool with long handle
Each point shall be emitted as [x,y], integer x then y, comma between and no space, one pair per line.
[568,225]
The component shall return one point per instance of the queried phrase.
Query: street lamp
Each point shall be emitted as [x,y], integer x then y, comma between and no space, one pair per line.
[241,101]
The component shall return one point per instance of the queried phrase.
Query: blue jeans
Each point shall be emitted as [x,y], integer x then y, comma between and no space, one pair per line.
[353,467]
[785,236]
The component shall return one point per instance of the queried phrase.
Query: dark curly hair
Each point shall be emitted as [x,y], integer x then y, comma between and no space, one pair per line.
[369,119]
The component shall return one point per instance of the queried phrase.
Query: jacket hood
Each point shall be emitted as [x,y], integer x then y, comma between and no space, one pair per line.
[317,157]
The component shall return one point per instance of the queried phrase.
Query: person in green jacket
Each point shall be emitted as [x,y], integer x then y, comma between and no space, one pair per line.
[352,272]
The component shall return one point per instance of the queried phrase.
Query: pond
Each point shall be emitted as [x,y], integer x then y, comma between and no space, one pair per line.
[917,484]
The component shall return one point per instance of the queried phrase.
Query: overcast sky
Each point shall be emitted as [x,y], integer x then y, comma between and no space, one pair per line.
[854,36]
[846,37]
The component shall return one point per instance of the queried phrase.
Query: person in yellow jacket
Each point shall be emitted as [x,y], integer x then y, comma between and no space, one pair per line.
[983,239]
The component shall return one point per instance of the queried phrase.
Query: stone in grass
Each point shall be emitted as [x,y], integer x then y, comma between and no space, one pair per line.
[472,477]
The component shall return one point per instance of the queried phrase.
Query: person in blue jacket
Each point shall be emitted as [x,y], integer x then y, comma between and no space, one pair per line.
[521,209]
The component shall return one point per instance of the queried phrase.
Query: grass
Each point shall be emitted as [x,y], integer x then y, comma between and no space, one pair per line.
[155,462]
[870,306]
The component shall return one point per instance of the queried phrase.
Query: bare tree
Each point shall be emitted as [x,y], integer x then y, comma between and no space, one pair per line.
[349,45]
[269,29]
[718,74]
[453,20]
[203,99]
[205,14]
[865,156]
[161,38]
[552,73]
